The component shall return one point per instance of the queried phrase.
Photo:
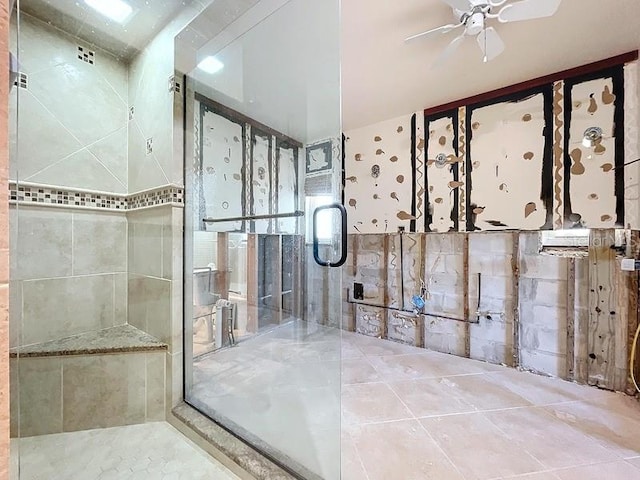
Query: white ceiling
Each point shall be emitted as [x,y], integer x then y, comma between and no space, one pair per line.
[281,66]
[383,78]
[282,70]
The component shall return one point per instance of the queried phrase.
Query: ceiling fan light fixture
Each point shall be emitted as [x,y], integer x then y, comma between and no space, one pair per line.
[474,16]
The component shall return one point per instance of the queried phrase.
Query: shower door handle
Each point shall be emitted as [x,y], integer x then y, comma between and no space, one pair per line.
[343,236]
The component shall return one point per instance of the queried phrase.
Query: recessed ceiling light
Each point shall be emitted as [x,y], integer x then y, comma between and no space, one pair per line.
[114,9]
[210,65]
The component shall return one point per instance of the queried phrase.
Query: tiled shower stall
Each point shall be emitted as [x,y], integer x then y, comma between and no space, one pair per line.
[96,225]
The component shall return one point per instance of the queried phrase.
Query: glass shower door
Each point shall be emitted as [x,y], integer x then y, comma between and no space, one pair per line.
[263,152]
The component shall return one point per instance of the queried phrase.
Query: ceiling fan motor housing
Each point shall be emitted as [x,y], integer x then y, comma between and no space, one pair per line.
[475,23]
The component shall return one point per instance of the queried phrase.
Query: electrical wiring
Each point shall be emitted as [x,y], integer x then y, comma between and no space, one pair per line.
[632,360]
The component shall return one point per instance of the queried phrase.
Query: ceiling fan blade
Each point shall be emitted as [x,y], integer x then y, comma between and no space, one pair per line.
[528,10]
[490,43]
[449,51]
[434,33]
[462,5]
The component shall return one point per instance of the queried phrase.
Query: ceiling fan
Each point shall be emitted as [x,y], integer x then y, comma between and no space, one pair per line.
[473,16]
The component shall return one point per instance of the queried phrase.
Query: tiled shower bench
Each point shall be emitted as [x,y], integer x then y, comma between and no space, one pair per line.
[104,378]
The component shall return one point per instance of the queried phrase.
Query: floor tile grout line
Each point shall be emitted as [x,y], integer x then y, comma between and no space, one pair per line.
[428,433]
[588,435]
[462,475]
[357,450]
[584,434]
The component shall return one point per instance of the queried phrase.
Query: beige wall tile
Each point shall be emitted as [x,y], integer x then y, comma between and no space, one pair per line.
[46,130]
[99,243]
[120,298]
[175,378]
[14,397]
[143,170]
[103,391]
[39,233]
[15,313]
[146,239]
[60,307]
[88,173]
[78,110]
[149,306]
[40,396]
[156,383]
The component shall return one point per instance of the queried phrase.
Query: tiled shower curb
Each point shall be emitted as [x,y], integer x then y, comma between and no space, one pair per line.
[217,438]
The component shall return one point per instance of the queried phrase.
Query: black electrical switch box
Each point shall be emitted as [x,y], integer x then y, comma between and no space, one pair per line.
[358,291]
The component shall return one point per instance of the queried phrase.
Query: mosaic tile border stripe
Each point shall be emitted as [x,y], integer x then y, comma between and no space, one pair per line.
[33,194]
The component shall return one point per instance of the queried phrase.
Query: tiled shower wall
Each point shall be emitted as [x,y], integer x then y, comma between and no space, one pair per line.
[69,267]
[78,110]
[69,272]
[85,126]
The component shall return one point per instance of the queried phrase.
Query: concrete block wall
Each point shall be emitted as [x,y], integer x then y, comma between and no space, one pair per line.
[493,297]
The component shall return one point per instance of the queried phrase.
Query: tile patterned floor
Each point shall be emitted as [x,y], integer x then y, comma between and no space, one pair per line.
[153,451]
[406,414]
[412,414]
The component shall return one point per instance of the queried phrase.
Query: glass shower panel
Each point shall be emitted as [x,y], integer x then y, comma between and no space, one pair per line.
[262,334]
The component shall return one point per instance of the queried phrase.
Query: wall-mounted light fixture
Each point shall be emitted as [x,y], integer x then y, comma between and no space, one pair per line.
[592,136]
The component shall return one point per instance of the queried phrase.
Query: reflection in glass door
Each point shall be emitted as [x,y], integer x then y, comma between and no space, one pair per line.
[263,138]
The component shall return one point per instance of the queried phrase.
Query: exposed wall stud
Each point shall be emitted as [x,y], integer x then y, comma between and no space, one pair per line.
[571,318]
[515,268]
[602,309]
[633,309]
[467,325]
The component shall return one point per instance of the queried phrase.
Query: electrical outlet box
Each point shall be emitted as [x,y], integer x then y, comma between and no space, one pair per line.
[358,291]
[630,264]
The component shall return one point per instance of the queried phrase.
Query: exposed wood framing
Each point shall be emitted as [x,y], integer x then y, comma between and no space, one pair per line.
[252,282]
[326,301]
[298,277]
[529,84]
[621,358]
[467,325]
[515,269]
[421,274]
[581,321]
[354,260]
[276,302]
[385,275]
[221,279]
[571,318]
[602,309]
[633,309]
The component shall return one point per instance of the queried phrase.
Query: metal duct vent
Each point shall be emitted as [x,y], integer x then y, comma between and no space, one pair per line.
[86,55]
[21,80]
